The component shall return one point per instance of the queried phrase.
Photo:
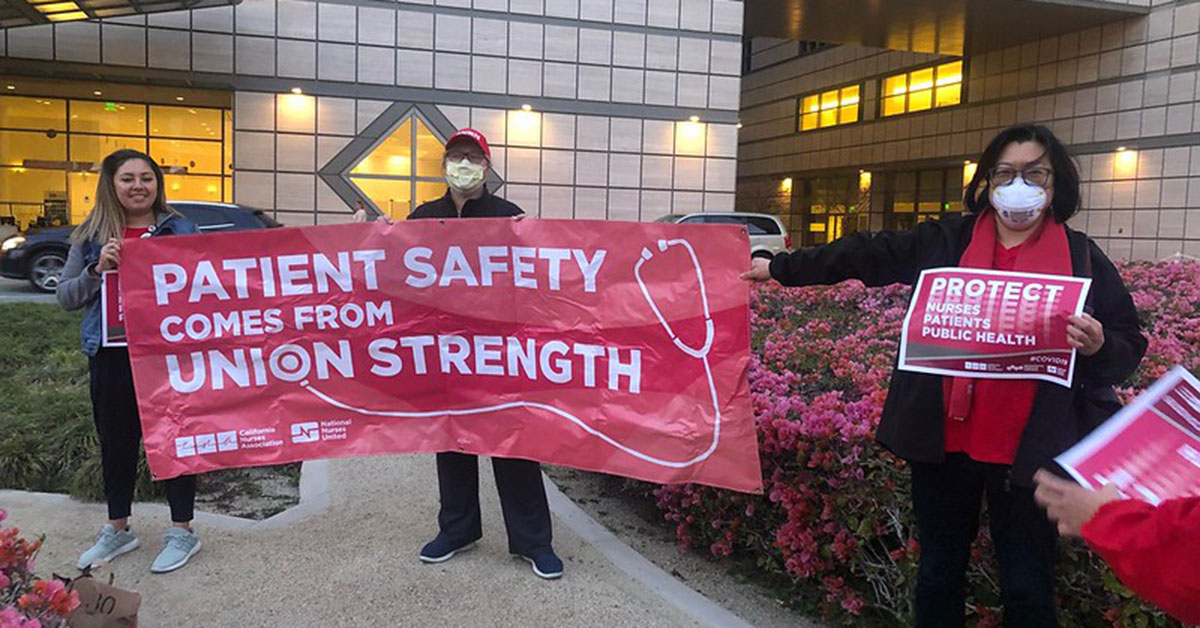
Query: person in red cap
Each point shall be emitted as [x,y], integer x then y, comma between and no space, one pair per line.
[522,495]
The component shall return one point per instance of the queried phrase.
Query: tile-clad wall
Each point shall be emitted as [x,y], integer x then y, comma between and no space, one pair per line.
[634,67]
[1131,83]
[576,166]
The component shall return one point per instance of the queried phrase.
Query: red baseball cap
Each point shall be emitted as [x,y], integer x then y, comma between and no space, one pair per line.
[471,135]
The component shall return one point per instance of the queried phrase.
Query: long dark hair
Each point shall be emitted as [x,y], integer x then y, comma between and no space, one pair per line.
[1066,176]
[107,218]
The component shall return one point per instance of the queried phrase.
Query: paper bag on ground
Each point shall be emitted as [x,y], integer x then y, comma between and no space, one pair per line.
[104,606]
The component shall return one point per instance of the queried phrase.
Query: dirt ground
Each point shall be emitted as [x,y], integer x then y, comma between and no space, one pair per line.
[252,493]
[640,525]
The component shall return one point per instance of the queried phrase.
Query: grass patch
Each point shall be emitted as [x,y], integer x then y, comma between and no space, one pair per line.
[48,438]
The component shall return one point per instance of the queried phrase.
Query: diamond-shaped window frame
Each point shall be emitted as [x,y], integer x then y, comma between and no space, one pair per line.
[337,171]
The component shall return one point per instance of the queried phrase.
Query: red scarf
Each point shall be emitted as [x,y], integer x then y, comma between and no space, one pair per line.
[1047,252]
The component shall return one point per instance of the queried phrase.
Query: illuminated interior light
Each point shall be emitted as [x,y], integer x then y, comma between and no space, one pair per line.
[57,7]
[969,169]
[67,17]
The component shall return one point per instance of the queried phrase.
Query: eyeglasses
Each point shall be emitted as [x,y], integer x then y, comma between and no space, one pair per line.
[1004,175]
[458,155]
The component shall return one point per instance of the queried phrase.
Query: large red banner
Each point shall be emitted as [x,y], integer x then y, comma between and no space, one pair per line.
[992,324]
[615,347]
[1151,448]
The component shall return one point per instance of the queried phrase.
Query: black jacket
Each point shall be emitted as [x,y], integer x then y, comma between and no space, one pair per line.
[913,415]
[486,206]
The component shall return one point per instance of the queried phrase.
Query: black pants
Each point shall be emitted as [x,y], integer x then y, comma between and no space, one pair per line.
[522,499]
[114,407]
[946,498]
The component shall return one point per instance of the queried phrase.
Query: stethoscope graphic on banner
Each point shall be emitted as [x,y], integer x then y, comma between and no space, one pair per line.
[700,353]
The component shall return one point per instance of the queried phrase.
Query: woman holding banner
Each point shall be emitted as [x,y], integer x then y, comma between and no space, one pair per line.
[966,438]
[130,203]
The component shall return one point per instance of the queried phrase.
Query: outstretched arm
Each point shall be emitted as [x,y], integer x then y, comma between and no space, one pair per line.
[876,259]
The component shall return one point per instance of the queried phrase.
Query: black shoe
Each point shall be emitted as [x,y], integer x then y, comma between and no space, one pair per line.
[546,565]
[440,549]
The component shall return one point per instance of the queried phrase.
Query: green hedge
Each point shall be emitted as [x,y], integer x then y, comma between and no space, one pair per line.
[47,436]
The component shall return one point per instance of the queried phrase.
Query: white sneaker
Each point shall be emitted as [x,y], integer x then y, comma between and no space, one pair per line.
[109,544]
[181,545]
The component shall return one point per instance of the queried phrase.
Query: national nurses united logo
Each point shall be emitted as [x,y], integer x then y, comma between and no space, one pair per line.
[306,432]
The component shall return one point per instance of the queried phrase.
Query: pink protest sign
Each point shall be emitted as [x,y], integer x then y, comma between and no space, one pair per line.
[992,324]
[1151,448]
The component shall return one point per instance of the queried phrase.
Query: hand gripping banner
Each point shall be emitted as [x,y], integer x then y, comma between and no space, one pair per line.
[607,346]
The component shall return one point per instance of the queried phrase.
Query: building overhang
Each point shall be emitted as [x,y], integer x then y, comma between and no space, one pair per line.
[16,13]
[951,27]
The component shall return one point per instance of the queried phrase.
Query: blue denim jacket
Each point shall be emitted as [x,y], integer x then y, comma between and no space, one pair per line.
[78,288]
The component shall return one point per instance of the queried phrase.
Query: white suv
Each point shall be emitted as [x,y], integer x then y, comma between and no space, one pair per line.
[767,235]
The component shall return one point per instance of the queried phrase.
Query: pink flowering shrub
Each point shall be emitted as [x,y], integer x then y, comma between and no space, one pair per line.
[25,601]
[835,526]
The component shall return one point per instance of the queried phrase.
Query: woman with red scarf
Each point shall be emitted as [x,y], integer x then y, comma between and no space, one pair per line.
[970,439]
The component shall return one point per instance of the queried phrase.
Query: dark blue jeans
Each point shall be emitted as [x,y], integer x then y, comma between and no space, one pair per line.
[522,501]
[946,500]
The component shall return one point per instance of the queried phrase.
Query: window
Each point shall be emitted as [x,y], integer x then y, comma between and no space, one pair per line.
[207,219]
[94,148]
[919,196]
[828,208]
[187,156]
[924,89]
[20,148]
[113,118]
[193,188]
[37,114]
[191,122]
[51,149]
[402,171]
[829,108]
[754,224]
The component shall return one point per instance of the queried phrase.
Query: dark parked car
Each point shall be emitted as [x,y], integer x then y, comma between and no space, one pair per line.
[39,255]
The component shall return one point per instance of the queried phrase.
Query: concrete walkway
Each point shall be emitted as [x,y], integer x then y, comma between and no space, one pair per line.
[348,557]
[19,291]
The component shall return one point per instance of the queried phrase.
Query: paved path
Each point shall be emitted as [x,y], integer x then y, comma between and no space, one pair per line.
[355,563]
[19,290]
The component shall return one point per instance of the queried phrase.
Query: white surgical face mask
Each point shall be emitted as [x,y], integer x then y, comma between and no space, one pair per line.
[464,176]
[1018,204]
